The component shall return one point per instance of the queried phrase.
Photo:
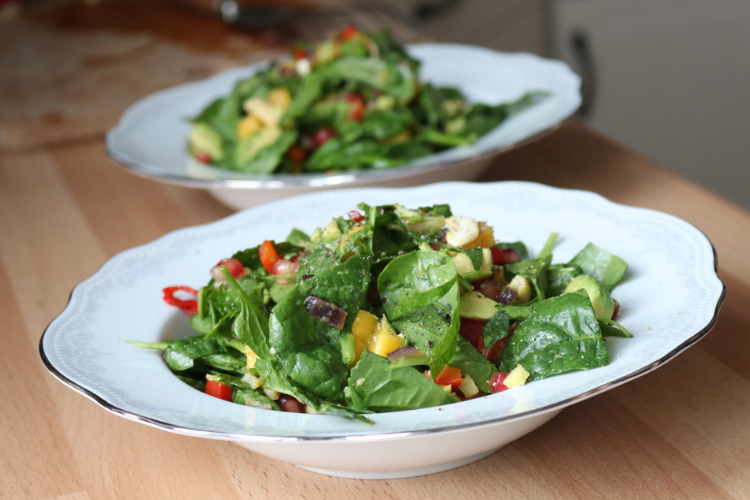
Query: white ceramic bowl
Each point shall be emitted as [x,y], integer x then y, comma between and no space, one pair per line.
[150,139]
[670,298]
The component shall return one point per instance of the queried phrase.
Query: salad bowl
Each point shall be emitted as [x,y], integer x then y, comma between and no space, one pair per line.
[670,299]
[151,138]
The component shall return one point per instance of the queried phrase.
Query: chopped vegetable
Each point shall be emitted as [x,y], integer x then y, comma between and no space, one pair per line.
[218,390]
[190,306]
[349,321]
[268,255]
[351,102]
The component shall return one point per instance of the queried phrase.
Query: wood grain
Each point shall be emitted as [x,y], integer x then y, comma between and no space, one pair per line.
[679,432]
[71,69]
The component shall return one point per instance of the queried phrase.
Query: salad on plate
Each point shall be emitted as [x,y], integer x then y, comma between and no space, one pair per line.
[351,102]
[391,308]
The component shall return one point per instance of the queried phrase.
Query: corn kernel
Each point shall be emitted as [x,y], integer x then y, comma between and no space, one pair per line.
[248,126]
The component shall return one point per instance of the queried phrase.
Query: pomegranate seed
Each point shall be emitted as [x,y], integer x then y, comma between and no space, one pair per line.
[489,288]
[234,266]
[471,330]
[505,255]
[288,403]
[203,157]
[497,381]
[323,135]
[283,266]
[356,216]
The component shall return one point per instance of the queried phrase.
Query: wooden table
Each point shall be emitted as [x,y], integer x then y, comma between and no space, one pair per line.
[680,432]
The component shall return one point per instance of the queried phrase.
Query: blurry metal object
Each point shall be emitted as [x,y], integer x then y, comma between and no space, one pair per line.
[249,16]
[584,62]
[428,9]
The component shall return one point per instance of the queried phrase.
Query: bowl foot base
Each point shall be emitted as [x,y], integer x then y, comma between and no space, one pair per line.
[400,473]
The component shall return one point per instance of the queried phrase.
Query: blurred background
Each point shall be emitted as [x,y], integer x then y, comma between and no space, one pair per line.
[665,78]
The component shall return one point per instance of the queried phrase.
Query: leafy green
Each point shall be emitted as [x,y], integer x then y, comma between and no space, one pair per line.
[472,363]
[560,334]
[363,94]
[497,328]
[375,386]
[611,328]
[602,265]
[306,350]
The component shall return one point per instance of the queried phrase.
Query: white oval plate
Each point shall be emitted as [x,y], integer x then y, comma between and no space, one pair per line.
[670,298]
[150,139]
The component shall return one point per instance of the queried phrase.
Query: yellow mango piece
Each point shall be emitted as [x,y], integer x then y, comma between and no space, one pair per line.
[383,341]
[280,97]
[359,346]
[248,126]
[517,377]
[251,357]
[485,239]
[363,326]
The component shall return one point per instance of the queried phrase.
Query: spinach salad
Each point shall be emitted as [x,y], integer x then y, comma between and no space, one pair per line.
[351,102]
[389,308]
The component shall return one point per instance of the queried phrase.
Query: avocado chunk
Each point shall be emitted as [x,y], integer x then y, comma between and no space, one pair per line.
[331,232]
[204,139]
[249,147]
[559,277]
[603,304]
[474,305]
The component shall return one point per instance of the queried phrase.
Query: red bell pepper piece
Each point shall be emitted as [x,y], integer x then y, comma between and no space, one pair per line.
[219,390]
[268,255]
[449,376]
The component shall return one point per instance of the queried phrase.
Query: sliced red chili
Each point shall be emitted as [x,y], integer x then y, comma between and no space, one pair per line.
[190,306]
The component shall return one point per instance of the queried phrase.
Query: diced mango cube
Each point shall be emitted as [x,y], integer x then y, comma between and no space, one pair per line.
[383,341]
[359,346]
[468,387]
[363,326]
[280,97]
[251,357]
[248,126]
[517,377]
[485,239]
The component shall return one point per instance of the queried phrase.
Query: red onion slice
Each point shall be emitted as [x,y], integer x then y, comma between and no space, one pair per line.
[325,311]
[408,351]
